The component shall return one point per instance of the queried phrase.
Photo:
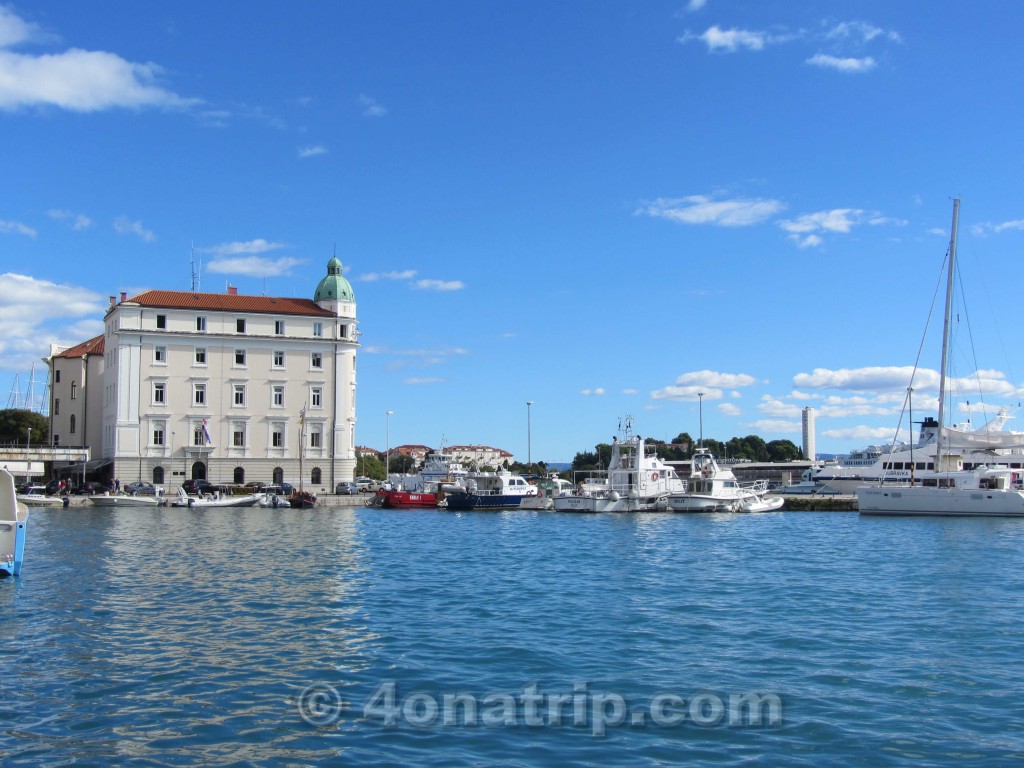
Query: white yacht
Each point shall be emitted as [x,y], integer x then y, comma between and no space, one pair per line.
[895,464]
[636,481]
[712,488]
[951,488]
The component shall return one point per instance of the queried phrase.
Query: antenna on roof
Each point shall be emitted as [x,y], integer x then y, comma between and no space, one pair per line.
[195,271]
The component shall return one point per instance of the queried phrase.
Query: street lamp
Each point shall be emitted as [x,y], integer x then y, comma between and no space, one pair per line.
[387,455]
[529,445]
[700,413]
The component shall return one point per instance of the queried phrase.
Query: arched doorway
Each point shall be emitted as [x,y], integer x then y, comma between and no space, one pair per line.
[239,477]
[199,471]
[158,475]
[278,475]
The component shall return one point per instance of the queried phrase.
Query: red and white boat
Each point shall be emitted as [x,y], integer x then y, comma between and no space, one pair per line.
[440,470]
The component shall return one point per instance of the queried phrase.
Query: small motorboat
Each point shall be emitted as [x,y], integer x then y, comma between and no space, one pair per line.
[13,527]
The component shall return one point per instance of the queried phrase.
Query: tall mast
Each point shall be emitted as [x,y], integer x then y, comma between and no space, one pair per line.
[946,334]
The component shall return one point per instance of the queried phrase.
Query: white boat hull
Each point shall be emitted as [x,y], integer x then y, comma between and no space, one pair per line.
[609,504]
[125,501]
[31,500]
[948,502]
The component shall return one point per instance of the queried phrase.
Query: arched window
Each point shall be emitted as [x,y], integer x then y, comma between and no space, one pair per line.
[239,475]
[314,476]
[199,471]
[72,424]
[278,475]
[158,475]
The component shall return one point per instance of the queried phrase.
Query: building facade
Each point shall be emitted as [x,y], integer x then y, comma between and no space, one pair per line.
[227,387]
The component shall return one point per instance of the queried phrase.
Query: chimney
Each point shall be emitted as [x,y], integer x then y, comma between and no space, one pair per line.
[124,295]
[232,290]
[113,301]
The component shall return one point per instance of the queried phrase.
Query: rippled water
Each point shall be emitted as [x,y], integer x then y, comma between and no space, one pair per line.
[174,637]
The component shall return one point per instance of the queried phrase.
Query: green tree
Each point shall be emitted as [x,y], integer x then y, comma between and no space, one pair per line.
[783,450]
[15,423]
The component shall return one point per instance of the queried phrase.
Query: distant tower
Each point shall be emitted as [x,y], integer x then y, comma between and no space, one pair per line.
[809,448]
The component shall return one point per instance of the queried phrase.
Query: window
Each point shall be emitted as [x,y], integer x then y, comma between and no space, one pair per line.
[159,392]
[56,377]
[71,428]
[277,434]
[158,475]
[238,436]
[277,475]
[239,476]
[240,357]
[279,327]
[278,398]
[318,329]
[314,476]
[158,434]
[316,397]
[198,395]
[201,324]
[343,330]
[198,437]
[279,359]
[239,394]
[74,390]
[56,407]
[240,325]
[200,355]
[314,437]
[56,439]
[316,360]
[160,355]
[161,321]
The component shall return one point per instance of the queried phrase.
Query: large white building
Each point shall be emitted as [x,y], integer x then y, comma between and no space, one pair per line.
[224,387]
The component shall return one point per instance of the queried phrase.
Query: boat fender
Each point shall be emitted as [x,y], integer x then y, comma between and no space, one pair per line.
[654,475]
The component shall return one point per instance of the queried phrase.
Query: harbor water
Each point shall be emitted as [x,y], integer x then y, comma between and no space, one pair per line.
[354,636]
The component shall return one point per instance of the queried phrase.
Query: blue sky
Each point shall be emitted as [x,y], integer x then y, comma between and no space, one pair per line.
[603,208]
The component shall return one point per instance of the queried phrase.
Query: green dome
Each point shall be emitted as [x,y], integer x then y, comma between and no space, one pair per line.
[334,287]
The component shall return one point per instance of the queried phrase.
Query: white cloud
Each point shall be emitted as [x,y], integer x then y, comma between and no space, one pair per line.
[589,392]
[695,5]
[630,392]
[716,379]
[772,406]
[870,378]
[686,394]
[254,266]
[259,245]
[124,226]
[35,313]
[804,229]
[730,40]
[424,380]
[843,64]
[371,277]
[370,107]
[16,228]
[776,426]
[79,221]
[860,32]
[701,209]
[729,409]
[319,149]
[82,81]
[440,285]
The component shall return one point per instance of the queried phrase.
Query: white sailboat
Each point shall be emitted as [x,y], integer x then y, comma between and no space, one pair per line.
[950,490]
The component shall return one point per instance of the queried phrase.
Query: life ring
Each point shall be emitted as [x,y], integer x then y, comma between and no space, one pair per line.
[654,475]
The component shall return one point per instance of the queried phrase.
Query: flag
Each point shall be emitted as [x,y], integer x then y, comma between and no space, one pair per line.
[206,433]
[302,415]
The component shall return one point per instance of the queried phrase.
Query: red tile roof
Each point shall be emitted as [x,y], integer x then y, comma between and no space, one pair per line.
[90,347]
[229,302]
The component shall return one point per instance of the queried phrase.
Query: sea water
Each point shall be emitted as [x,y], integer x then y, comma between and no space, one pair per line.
[167,637]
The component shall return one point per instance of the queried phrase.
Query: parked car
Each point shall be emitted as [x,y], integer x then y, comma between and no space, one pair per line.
[284,490]
[366,484]
[346,489]
[91,488]
[140,489]
[53,487]
[197,487]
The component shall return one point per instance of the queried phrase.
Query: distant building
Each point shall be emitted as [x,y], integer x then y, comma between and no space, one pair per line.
[809,449]
[215,386]
[480,455]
